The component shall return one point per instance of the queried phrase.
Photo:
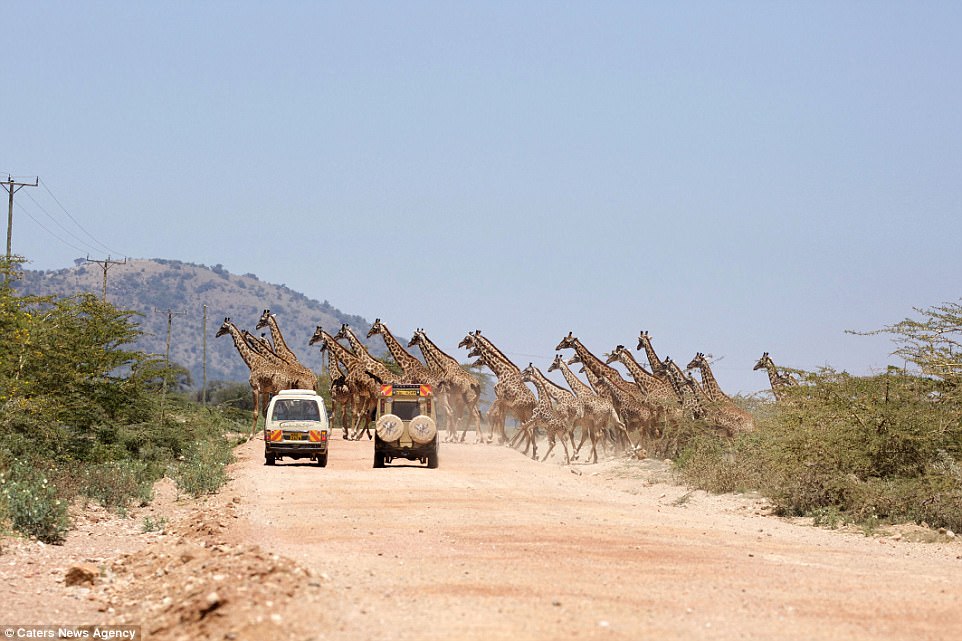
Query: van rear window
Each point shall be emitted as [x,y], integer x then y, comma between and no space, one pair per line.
[296,409]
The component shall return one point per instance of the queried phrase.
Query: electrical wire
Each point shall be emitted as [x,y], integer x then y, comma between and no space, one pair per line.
[81,227]
[60,225]
[41,225]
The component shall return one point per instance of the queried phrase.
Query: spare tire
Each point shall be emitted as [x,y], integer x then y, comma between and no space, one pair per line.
[422,429]
[389,427]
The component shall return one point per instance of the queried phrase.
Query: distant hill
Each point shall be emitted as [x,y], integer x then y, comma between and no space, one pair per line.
[151,287]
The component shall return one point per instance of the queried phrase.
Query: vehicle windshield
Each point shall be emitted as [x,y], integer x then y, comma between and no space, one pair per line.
[296,409]
[405,410]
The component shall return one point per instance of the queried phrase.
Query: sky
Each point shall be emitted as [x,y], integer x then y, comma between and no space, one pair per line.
[733,177]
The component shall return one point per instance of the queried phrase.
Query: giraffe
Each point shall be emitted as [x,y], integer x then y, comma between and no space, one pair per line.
[690,400]
[708,380]
[414,370]
[258,343]
[284,352]
[361,387]
[778,381]
[280,345]
[723,416]
[378,369]
[266,378]
[658,391]
[632,408]
[601,386]
[511,395]
[551,419]
[460,388]
[657,367]
[598,413]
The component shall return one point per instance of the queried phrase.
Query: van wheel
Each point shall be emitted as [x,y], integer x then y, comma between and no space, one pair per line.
[322,459]
[433,460]
[378,459]
[269,459]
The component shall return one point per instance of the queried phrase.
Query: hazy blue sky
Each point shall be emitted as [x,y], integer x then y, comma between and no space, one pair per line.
[733,177]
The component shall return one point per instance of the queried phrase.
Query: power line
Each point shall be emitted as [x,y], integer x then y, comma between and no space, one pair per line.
[81,227]
[43,227]
[60,225]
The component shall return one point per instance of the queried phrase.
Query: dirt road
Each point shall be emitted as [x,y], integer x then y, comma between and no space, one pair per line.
[493,545]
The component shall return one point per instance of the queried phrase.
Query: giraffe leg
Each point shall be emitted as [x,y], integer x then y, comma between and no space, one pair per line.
[256,412]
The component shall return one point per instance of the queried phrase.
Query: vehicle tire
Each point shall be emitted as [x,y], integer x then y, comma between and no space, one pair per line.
[269,459]
[322,459]
[389,428]
[433,460]
[378,459]
[422,429]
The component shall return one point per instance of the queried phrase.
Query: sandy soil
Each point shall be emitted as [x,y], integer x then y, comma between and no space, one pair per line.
[490,545]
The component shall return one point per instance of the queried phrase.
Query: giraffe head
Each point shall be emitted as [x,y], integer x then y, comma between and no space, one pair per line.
[527,374]
[615,355]
[470,340]
[224,328]
[342,333]
[699,362]
[317,337]
[556,363]
[643,339]
[762,362]
[264,319]
[568,342]
[415,339]
[376,328]
[575,360]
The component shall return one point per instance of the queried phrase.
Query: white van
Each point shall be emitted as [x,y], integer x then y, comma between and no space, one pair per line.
[296,427]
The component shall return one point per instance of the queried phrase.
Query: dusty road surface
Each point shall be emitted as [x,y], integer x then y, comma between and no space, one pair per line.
[493,545]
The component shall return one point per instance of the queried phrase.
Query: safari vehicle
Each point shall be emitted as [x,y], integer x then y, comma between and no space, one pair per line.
[406,427]
[296,427]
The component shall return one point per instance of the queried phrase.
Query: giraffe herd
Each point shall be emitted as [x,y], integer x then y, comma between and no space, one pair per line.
[607,410]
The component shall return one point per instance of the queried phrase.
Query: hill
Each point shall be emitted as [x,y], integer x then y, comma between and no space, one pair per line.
[151,287]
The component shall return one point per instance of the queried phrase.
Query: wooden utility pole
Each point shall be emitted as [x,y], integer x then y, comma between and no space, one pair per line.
[203,392]
[12,187]
[105,265]
[170,321]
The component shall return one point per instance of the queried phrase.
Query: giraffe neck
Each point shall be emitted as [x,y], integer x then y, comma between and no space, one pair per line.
[496,361]
[340,353]
[409,364]
[711,385]
[684,391]
[544,394]
[657,367]
[643,377]
[434,365]
[249,356]
[280,346]
[574,382]
[443,360]
[558,393]
[596,365]
[773,376]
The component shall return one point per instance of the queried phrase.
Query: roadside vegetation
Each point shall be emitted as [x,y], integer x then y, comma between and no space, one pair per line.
[83,416]
[866,450]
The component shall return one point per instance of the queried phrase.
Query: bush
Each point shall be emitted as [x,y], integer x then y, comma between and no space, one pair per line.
[115,484]
[204,469]
[32,505]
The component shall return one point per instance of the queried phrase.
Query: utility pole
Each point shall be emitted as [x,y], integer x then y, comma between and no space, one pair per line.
[170,321]
[12,187]
[203,392]
[105,265]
